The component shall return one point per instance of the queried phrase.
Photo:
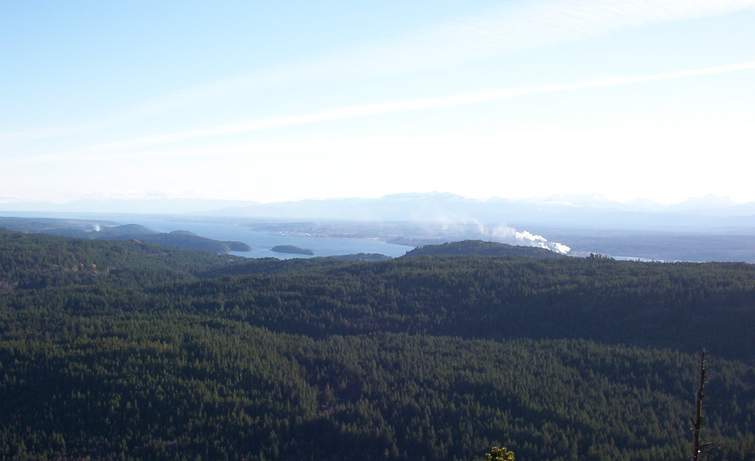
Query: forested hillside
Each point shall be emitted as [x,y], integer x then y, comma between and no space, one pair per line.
[96,230]
[41,261]
[481,248]
[114,350]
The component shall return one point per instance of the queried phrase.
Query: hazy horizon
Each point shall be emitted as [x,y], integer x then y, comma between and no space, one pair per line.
[586,199]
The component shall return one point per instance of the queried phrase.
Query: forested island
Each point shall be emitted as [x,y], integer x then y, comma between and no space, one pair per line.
[185,240]
[119,349]
[292,249]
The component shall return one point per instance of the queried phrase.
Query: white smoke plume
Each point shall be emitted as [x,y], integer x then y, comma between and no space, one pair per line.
[510,235]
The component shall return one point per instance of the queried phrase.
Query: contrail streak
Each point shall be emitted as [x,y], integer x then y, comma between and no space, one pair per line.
[442,102]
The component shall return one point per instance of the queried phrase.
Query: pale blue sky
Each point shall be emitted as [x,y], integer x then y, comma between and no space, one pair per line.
[288,100]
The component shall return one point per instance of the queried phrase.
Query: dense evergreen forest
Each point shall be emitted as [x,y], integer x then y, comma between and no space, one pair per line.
[119,350]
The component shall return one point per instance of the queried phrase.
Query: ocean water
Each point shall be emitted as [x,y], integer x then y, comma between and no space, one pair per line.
[262,241]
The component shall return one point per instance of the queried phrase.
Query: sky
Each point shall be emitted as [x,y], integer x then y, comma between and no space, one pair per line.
[274,101]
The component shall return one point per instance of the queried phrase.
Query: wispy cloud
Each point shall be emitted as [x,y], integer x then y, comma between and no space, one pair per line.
[510,27]
[407,105]
[513,26]
[495,32]
[528,24]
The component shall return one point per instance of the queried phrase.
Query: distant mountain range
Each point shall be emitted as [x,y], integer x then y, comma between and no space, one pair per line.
[699,214]
[695,215]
